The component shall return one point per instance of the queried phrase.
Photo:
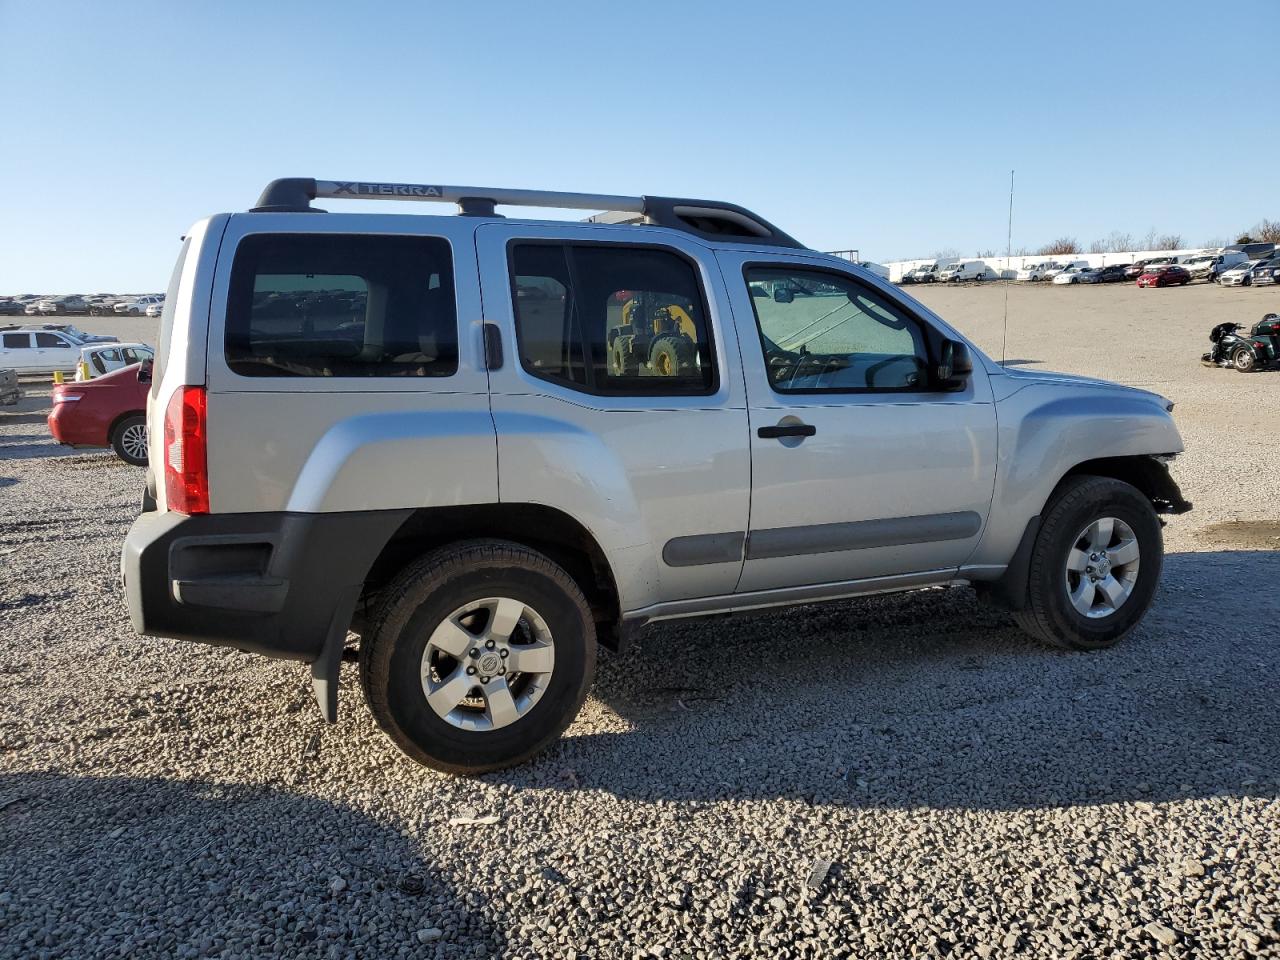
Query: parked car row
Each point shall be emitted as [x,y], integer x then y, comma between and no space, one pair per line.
[1230,268]
[96,305]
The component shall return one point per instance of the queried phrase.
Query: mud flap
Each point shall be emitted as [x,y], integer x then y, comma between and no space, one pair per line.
[325,668]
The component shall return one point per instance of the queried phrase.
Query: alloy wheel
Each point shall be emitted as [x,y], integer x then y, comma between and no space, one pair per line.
[1102,567]
[487,664]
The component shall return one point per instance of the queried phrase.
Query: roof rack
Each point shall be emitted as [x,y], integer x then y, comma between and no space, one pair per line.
[708,219]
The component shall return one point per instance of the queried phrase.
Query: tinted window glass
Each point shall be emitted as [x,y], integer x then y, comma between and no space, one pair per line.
[342,306]
[612,320]
[49,340]
[17,341]
[822,331]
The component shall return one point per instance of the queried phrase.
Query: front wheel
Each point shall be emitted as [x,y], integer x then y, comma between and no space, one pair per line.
[129,440]
[479,656]
[1095,565]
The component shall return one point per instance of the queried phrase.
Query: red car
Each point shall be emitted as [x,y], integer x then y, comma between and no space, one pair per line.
[108,411]
[1165,276]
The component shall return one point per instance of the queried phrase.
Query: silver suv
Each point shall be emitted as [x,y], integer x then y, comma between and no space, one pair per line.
[485,445]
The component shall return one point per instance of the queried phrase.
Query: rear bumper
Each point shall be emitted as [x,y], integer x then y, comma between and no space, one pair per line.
[278,584]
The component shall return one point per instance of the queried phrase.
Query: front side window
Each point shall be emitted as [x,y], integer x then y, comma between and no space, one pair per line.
[332,305]
[46,340]
[612,320]
[827,332]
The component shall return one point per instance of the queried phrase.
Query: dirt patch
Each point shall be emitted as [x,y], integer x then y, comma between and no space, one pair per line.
[1252,534]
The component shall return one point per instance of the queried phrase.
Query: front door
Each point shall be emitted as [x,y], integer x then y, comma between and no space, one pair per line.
[55,352]
[861,467]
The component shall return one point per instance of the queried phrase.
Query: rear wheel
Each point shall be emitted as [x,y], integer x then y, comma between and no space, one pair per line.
[1095,565]
[129,440]
[1243,360]
[479,657]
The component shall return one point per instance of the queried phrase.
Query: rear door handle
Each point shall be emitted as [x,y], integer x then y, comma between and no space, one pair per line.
[787,430]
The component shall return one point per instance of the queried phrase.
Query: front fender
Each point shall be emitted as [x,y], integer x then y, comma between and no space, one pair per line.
[1047,429]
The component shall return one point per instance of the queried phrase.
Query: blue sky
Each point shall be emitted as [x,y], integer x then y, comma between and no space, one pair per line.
[890,128]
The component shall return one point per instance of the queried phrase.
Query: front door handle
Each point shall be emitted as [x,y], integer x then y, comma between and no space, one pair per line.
[787,430]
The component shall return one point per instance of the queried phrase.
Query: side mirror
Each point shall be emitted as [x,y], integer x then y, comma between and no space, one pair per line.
[144,371]
[783,295]
[955,365]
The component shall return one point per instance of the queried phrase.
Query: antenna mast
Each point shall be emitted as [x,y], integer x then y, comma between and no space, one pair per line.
[1008,257]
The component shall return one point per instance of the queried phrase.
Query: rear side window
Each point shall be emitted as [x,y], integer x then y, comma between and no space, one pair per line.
[611,319]
[17,341]
[334,305]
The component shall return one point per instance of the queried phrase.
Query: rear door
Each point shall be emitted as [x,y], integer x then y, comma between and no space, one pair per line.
[620,400]
[860,468]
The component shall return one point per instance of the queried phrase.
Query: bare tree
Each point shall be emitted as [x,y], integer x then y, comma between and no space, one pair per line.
[984,254]
[947,253]
[1098,246]
[1061,245]
[1022,252]
[1169,241]
[1214,242]
[1267,231]
[1149,242]
[1120,242]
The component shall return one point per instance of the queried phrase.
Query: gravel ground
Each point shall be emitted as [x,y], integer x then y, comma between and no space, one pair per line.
[895,776]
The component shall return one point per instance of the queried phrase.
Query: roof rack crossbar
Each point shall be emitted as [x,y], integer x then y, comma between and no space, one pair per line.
[704,218]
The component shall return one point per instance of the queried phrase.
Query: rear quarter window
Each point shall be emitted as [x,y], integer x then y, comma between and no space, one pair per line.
[336,305]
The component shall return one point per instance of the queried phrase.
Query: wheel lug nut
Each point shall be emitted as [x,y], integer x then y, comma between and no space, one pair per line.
[471,671]
[484,679]
[475,652]
[489,645]
[1093,556]
[504,653]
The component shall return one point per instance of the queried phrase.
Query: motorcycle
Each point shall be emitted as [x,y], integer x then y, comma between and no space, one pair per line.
[1258,350]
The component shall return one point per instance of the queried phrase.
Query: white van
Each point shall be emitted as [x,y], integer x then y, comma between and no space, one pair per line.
[963,270]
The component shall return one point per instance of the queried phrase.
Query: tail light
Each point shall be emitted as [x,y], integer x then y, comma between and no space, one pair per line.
[186,464]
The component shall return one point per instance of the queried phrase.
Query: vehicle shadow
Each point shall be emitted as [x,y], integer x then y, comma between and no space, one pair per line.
[933,699]
[131,865]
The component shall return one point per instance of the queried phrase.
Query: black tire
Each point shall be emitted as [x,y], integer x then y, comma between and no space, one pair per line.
[671,356]
[422,597]
[1243,360]
[1049,615]
[621,362]
[124,440]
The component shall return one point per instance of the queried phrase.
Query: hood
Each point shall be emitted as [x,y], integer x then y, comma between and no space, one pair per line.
[1017,378]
